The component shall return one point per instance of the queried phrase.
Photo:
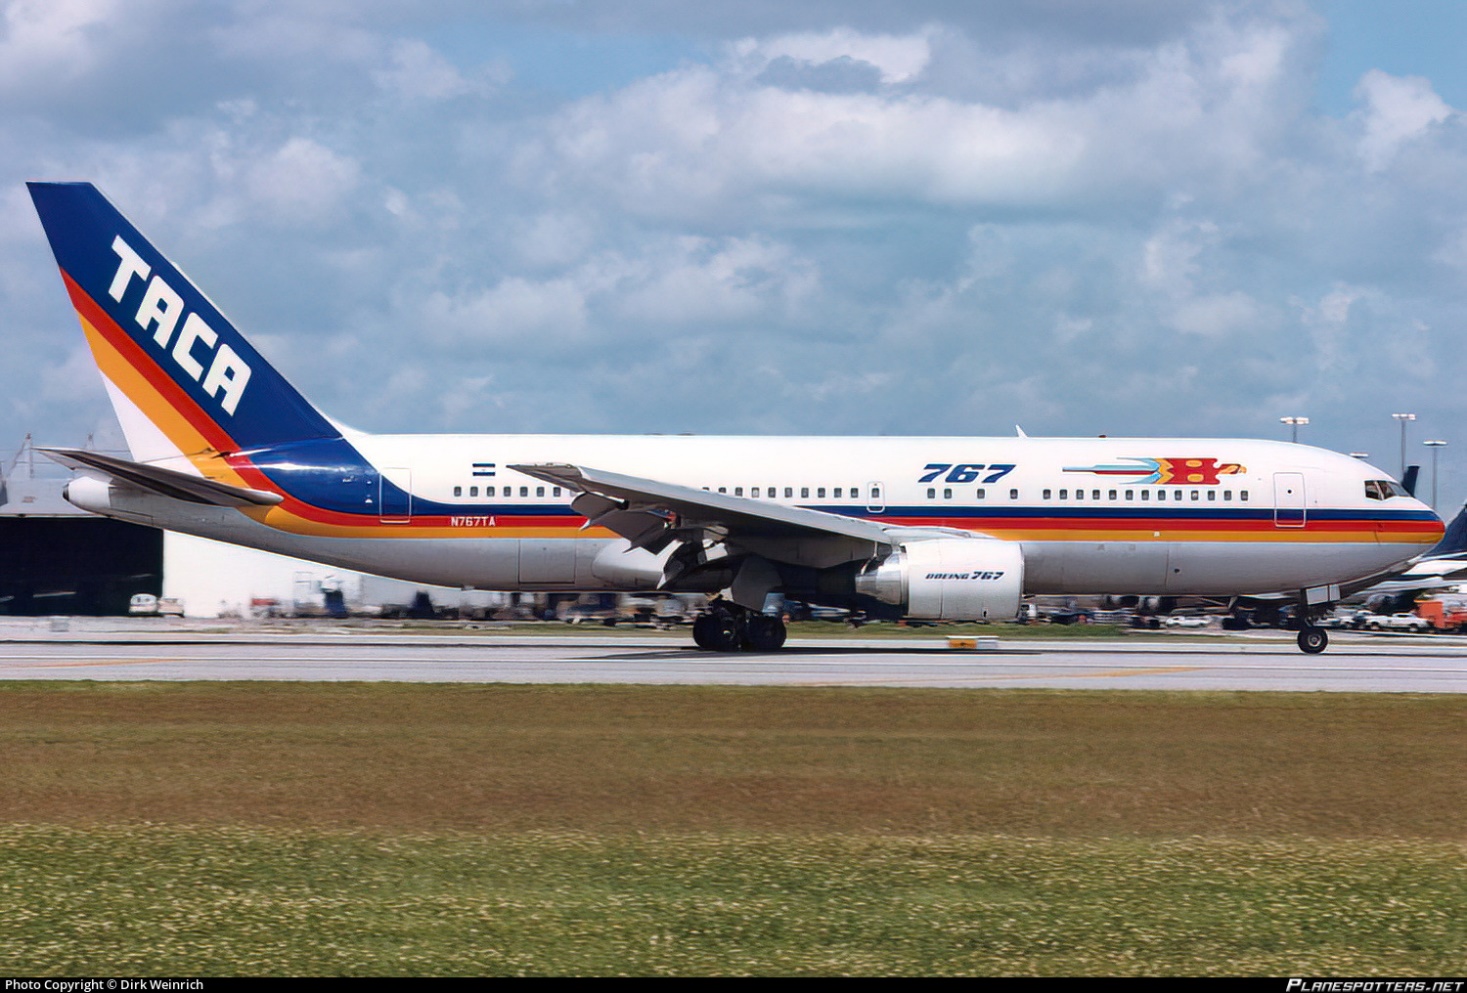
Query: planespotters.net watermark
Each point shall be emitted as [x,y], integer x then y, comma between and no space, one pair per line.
[1375,985]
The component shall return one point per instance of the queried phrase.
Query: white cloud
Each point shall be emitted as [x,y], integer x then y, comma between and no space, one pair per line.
[1215,314]
[699,281]
[516,312]
[898,59]
[416,71]
[52,38]
[302,181]
[699,140]
[1397,110]
[690,140]
[685,284]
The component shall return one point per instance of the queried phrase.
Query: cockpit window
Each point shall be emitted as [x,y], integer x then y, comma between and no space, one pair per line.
[1383,489]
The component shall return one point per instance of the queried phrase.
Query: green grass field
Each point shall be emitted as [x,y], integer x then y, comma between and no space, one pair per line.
[257,828]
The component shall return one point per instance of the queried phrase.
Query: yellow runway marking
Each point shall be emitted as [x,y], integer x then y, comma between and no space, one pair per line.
[1159,671]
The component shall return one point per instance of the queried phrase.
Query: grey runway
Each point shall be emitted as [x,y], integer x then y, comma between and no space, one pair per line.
[1405,665]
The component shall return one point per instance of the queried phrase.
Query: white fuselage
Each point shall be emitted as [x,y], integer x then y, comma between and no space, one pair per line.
[1136,515]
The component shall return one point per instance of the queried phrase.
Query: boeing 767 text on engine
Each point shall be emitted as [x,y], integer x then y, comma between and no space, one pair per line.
[931,528]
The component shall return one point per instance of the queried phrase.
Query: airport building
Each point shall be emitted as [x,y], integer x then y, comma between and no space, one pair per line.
[56,559]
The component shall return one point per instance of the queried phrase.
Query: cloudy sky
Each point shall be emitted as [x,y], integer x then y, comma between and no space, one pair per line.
[1177,217]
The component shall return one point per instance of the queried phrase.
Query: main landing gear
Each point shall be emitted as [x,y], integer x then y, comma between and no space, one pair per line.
[727,627]
[1313,640]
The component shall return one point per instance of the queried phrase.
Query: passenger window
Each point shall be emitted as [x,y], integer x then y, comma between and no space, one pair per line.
[1112,495]
[789,491]
[753,491]
[723,489]
[1013,494]
[1212,495]
[1145,495]
[473,491]
[837,493]
[1243,495]
[1064,494]
[804,492]
[1130,494]
[555,492]
[982,493]
[1196,495]
[524,491]
[1161,494]
[738,491]
[1079,494]
[947,493]
[1047,494]
[489,491]
[820,493]
[1095,495]
[931,493]
[1227,496]
[539,491]
[458,491]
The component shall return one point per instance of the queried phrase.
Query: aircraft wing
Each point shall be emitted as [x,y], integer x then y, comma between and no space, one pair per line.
[652,514]
[167,482]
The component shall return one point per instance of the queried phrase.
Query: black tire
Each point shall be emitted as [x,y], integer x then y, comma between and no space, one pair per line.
[718,631]
[702,637]
[765,633]
[1313,640]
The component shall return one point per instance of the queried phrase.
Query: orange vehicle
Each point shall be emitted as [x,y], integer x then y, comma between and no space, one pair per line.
[1444,615]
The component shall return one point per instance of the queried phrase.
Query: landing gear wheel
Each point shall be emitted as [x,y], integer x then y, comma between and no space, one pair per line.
[702,631]
[1313,640]
[765,633]
[718,631]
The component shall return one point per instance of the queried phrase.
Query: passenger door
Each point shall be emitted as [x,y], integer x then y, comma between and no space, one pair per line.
[1288,500]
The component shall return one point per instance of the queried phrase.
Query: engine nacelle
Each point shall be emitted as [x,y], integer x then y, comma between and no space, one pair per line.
[949,579]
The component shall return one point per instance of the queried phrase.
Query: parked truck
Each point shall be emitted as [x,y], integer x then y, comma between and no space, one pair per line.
[1444,614]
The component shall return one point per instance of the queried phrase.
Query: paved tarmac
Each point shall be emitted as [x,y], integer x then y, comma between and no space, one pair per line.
[1354,662]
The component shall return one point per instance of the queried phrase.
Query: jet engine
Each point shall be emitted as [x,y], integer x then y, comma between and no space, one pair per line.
[949,579]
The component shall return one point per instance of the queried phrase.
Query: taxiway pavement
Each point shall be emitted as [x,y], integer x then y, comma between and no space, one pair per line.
[1422,664]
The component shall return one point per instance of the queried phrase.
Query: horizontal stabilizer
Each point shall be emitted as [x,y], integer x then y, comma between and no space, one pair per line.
[166,482]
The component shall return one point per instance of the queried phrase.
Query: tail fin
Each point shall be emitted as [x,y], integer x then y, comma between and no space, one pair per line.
[1454,540]
[1409,477]
[185,384]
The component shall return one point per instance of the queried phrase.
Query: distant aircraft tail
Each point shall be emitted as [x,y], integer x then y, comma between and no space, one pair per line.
[1408,479]
[185,384]
[1454,540]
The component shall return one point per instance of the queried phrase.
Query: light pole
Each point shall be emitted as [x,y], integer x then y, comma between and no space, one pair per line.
[1294,423]
[1404,419]
[1436,445]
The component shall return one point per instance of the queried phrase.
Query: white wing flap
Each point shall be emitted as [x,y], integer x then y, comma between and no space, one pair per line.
[650,513]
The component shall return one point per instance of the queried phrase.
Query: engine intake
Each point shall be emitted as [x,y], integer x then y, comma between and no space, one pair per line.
[949,579]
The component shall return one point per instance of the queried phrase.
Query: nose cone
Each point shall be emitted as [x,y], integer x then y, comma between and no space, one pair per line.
[1431,529]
